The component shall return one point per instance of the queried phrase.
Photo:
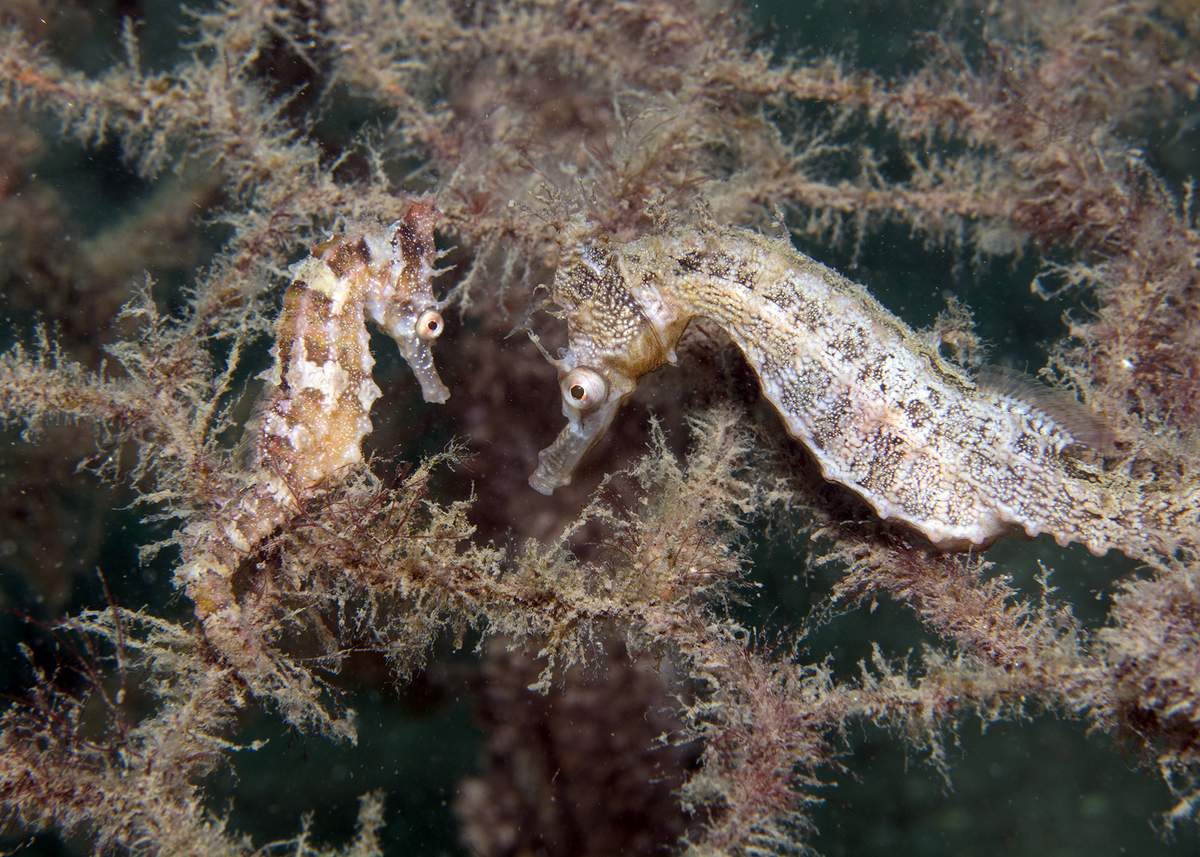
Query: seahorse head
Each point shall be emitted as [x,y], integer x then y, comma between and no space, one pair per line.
[610,344]
[403,303]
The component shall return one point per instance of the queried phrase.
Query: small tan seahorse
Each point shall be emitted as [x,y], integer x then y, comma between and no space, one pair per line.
[317,408]
[880,410]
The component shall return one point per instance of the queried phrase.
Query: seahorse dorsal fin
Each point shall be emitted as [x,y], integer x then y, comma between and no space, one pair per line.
[1058,403]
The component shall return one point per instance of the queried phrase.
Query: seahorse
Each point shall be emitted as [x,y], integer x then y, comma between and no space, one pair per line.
[877,406]
[317,407]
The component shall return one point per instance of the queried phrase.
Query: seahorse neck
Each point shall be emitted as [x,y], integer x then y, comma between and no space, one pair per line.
[677,278]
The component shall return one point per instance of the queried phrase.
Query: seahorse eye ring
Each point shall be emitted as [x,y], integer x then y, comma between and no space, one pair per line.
[430,324]
[584,388]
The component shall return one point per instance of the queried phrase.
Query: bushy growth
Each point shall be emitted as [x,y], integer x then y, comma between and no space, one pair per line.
[534,126]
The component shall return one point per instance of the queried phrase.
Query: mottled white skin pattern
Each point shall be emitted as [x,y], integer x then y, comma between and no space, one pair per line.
[321,391]
[879,409]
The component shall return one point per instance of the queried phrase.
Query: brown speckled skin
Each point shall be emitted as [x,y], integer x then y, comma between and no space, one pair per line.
[879,409]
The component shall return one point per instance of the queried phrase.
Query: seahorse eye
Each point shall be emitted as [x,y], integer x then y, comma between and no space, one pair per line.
[584,388]
[430,324]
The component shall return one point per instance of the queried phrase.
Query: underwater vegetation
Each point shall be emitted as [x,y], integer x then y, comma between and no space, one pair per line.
[295,292]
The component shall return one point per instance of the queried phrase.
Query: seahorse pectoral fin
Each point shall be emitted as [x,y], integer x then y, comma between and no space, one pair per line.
[557,462]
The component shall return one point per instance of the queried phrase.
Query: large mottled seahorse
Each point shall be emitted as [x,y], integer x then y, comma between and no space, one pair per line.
[875,403]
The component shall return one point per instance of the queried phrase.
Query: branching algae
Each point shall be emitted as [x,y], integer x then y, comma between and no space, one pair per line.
[537,127]
[882,412]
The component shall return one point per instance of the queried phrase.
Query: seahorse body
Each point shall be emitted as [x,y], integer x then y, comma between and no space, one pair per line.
[317,408]
[880,410]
